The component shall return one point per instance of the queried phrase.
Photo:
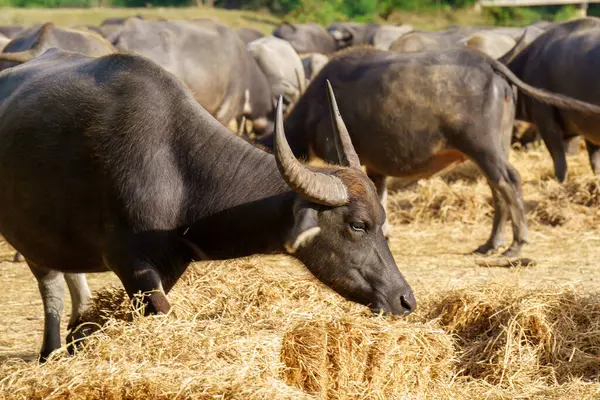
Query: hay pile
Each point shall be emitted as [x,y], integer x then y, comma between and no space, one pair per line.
[240,330]
[513,338]
[246,330]
[442,201]
[463,195]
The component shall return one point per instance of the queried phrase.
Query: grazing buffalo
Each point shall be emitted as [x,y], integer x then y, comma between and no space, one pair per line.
[306,38]
[210,59]
[563,60]
[282,66]
[122,170]
[34,41]
[248,35]
[413,115]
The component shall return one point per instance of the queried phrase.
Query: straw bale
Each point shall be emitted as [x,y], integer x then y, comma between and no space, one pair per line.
[365,357]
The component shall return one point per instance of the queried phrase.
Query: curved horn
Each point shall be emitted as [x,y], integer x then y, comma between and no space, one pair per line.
[346,153]
[317,187]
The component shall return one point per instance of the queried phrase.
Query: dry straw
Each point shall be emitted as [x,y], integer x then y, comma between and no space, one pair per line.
[241,331]
[341,357]
[264,335]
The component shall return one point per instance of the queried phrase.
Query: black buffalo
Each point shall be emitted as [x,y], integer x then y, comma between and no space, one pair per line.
[563,60]
[114,166]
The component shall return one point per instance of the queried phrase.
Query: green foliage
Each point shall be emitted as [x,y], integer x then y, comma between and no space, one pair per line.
[328,11]
[360,10]
[323,12]
[520,16]
[462,3]
[594,10]
[154,3]
[565,13]
[514,16]
[91,3]
[49,3]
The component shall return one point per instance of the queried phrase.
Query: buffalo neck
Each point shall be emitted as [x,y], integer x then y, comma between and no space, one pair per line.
[257,227]
[237,202]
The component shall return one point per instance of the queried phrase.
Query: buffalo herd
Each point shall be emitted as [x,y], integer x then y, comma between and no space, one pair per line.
[118,149]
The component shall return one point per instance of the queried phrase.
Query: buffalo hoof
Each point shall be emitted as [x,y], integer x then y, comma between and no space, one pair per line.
[512,251]
[515,248]
[43,358]
[486,249]
[18,257]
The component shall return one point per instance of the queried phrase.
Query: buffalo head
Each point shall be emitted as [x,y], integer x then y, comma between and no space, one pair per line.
[337,229]
[343,33]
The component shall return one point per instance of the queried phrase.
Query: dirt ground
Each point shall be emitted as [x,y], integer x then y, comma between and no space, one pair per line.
[431,246]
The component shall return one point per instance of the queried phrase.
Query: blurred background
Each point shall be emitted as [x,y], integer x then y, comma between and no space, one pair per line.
[424,14]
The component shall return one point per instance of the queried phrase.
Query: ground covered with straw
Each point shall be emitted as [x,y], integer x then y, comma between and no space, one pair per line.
[263,328]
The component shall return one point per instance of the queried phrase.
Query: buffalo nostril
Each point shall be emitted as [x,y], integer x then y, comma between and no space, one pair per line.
[408,303]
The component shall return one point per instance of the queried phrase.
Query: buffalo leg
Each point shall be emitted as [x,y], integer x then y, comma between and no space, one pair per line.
[509,187]
[594,156]
[488,145]
[505,181]
[545,119]
[150,265]
[140,277]
[380,182]
[52,289]
[501,214]
[147,281]
[492,158]
[80,297]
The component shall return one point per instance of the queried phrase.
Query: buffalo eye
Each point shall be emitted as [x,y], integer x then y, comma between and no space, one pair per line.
[358,226]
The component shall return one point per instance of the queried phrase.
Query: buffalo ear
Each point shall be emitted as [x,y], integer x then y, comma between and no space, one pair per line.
[305,229]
